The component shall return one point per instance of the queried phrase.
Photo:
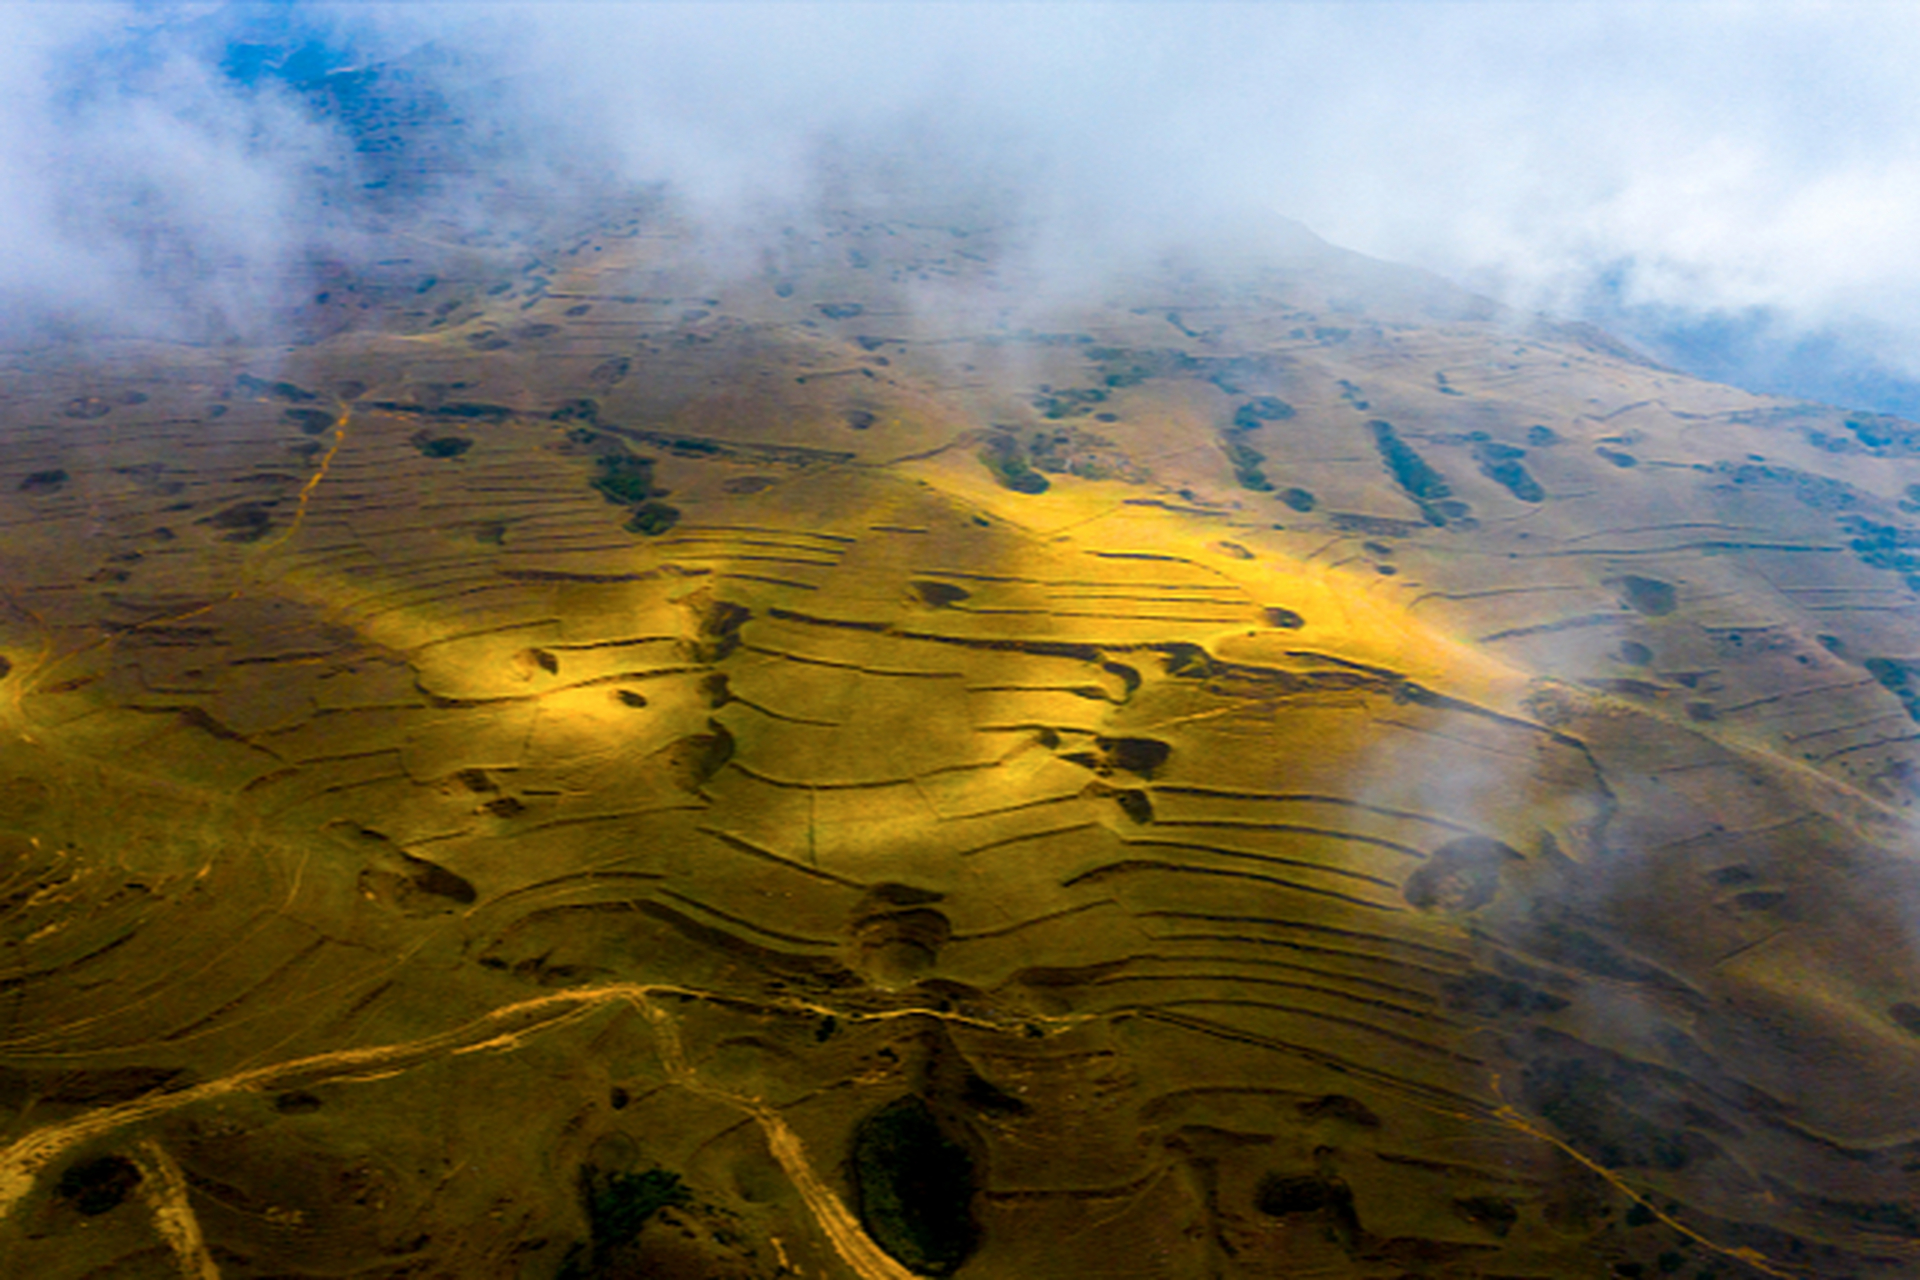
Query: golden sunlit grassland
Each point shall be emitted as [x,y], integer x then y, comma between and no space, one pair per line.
[845,770]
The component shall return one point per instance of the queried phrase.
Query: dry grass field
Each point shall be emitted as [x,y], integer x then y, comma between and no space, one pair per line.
[591,766]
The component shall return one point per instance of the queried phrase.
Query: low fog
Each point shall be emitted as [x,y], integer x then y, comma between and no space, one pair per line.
[1732,187]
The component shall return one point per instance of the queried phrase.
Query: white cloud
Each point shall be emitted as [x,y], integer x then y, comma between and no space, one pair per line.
[1711,157]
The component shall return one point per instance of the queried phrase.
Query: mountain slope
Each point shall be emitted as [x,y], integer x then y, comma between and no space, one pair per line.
[598,764]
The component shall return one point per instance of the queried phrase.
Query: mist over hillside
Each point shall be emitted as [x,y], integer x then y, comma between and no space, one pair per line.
[1732,188]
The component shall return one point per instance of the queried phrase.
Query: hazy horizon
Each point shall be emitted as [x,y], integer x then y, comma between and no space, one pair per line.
[1727,185]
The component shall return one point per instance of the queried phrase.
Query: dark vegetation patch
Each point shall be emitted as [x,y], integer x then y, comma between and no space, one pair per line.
[310,421]
[1009,464]
[692,761]
[1323,1197]
[618,1204]
[913,1188]
[1895,548]
[474,411]
[1129,677]
[95,1186]
[1418,480]
[244,522]
[1906,1016]
[1075,451]
[1462,875]
[1283,618]
[415,886]
[1185,661]
[1301,500]
[1246,461]
[1617,457]
[1886,435]
[1125,367]
[1118,367]
[1070,403]
[1136,804]
[1376,526]
[1635,654]
[939,595]
[50,481]
[1542,437]
[466,410]
[1821,493]
[609,373]
[1501,464]
[1832,444]
[439,446]
[296,1103]
[1649,596]
[718,624]
[1173,318]
[1142,757]
[1595,1100]
[692,447]
[1278,1196]
[1896,676]
[434,879]
[1258,412]
[861,419]
[841,310]
[623,478]
[286,391]
[1630,688]
[652,519]
[86,407]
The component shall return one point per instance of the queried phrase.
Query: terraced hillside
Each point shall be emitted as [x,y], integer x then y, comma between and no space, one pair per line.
[574,769]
